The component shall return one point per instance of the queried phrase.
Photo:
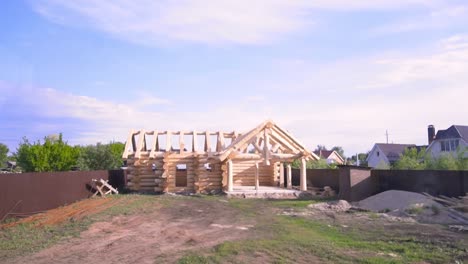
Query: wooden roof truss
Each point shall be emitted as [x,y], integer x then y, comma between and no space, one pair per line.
[155,143]
[265,142]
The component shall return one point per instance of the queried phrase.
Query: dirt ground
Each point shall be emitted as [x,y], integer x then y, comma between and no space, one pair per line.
[166,231]
[149,237]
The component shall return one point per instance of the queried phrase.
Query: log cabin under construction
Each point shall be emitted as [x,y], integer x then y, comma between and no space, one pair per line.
[201,162]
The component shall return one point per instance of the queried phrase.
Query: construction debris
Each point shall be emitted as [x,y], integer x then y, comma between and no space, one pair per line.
[459,228]
[336,206]
[103,188]
[326,191]
[460,204]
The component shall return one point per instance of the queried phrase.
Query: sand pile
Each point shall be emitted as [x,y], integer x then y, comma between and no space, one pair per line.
[408,204]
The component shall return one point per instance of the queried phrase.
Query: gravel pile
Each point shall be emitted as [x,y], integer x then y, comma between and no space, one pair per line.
[394,200]
[407,204]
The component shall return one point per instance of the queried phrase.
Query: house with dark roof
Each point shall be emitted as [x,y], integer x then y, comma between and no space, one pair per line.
[384,155]
[331,156]
[447,141]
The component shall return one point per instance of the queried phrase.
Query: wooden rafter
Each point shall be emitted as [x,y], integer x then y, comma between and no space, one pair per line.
[270,143]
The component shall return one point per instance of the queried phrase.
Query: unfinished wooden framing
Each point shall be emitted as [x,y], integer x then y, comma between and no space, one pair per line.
[213,161]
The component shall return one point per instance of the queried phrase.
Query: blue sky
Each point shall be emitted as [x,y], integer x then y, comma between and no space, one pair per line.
[335,72]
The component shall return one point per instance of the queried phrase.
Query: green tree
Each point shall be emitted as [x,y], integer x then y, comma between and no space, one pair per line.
[53,155]
[314,164]
[444,162]
[320,147]
[340,151]
[362,157]
[411,159]
[3,154]
[101,156]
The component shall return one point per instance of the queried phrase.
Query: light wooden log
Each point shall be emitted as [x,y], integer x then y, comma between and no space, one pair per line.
[181,142]
[281,175]
[246,156]
[284,142]
[168,141]
[207,142]
[220,142]
[257,184]
[303,175]
[140,143]
[128,144]
[230,176]
[280,156]
[194,142]
[275,147]
[266,151]
[289,176]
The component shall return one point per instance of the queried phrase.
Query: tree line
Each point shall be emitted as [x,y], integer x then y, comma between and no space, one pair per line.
[412,159]
[55,154]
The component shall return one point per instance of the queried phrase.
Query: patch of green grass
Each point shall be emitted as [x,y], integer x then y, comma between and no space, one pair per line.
[132,204]
[25,238]
[374,215]
[415,210]
[293,203]
[284,238]
[195,259]
[248,207]
[435,209]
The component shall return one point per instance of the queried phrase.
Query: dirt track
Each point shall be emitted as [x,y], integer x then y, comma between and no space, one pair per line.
[149,238]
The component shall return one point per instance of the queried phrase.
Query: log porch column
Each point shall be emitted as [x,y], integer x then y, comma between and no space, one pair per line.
[230,179]
[281,175]
[257,183]
[303,175]
[289,177]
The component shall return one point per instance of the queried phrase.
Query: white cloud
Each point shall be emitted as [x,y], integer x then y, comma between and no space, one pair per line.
[350,103]
[439,17]
[156,22]
[202,21]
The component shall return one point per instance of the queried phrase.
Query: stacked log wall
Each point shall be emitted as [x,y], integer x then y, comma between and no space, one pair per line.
[244,173]
[140,174]
[208,180]
[170,171]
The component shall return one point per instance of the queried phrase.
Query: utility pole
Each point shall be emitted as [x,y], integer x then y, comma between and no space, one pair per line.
[386,135]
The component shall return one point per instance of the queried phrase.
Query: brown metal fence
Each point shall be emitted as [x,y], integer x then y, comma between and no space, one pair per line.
[27,193]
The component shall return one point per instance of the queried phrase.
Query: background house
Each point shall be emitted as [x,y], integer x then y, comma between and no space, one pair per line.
[447,141]
[331,156]
[383,155]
